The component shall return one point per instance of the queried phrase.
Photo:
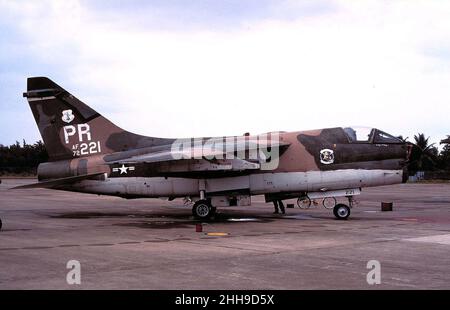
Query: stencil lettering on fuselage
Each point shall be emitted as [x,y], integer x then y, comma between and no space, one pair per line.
[82,145]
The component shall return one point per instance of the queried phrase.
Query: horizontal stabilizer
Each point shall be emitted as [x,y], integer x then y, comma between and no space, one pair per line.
[58,182]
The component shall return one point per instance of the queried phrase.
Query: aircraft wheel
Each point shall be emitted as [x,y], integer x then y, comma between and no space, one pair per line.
[329,202]
[1,224]
[304,202]
[202,210]
[341,211]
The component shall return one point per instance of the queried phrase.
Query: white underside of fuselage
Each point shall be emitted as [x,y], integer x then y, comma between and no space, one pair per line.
[254,184]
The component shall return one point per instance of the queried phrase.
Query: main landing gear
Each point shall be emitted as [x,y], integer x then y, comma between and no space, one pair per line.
[203,210]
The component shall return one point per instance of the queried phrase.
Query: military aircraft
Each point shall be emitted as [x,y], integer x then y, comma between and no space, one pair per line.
[88,153]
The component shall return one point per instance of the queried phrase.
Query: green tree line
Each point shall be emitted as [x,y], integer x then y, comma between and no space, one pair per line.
[22,158]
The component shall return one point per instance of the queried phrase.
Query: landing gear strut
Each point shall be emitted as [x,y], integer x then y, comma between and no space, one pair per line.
[203,210]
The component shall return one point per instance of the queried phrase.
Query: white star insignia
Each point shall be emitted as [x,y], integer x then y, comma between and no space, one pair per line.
[123,169]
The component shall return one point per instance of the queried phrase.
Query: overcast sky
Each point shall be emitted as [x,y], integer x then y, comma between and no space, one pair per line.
[207,68]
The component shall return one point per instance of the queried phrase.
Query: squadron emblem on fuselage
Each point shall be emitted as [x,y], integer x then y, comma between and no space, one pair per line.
[326,156]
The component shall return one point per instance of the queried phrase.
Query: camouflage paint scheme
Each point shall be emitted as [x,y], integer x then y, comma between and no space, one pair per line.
[88,153]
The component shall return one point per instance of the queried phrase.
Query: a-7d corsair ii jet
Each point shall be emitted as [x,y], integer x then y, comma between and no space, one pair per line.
[88,153]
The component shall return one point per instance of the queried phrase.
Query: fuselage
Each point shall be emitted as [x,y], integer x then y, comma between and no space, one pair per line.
[317,160]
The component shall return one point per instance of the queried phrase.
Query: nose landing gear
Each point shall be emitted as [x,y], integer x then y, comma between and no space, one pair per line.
[342,211]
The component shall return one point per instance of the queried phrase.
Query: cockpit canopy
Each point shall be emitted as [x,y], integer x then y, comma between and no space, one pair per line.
[369,135]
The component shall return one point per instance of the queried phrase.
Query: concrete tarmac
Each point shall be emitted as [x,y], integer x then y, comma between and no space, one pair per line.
[152,244]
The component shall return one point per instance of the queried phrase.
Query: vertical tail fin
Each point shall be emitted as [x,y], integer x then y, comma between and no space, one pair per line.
[70,128]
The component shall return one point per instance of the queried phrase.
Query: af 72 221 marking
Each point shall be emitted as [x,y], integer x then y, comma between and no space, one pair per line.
[82,148]
[86,149]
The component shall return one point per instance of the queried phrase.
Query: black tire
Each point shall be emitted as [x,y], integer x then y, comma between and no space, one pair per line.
[202,210]
[341,211]
[1,224]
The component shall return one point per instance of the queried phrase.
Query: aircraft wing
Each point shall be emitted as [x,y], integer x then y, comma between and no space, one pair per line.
[165,162]
[206,159]
[58,182]
[203,152]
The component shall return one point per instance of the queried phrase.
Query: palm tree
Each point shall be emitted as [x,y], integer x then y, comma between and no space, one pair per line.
[423,155]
